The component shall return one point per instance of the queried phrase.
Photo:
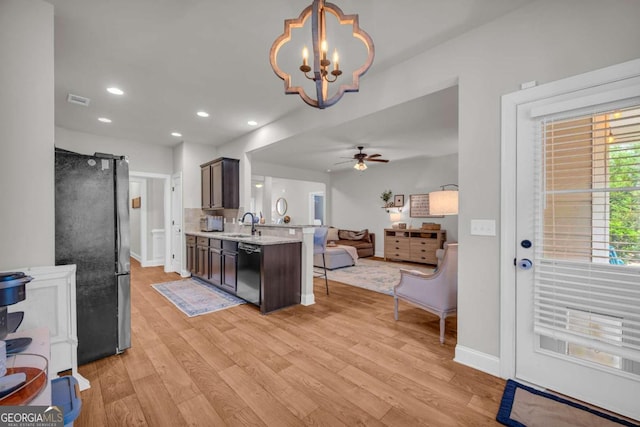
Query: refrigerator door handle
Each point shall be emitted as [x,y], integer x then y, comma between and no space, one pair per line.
[124,312]
[121,177]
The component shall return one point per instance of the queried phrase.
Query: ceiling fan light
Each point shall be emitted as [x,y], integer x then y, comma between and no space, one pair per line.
[360,166]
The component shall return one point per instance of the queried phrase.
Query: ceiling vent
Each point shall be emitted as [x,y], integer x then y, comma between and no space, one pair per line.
[77,99]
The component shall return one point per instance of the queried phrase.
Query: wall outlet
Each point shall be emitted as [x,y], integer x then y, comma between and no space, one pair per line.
[483,227]
[292,231]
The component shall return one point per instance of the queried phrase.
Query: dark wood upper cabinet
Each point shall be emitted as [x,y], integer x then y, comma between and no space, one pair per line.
[221,184]
[205,174]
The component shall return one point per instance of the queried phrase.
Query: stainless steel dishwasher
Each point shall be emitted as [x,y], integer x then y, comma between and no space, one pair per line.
[248,285]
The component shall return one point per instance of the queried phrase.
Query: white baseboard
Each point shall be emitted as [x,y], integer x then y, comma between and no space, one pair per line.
[477,360]
[307,299]
[185,273]
[152,263]
[136,257]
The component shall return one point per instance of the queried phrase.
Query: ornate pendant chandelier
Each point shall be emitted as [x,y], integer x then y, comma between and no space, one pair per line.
[320,70]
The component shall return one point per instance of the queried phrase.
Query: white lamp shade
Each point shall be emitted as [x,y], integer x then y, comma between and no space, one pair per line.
[443,202]
[395,216]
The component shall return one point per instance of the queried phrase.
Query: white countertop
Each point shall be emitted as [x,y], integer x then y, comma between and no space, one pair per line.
[245,237]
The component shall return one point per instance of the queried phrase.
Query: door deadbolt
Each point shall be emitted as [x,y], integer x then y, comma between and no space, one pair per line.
[525,264]
[526,244]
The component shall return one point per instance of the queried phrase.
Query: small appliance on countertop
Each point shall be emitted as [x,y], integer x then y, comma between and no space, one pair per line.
[12,291]
[211,223]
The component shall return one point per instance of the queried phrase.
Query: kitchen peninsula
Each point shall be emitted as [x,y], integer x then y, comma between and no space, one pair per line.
[263,270]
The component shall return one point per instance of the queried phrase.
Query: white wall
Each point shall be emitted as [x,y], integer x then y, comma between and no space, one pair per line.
[543,41]
[356,195]
[26,134]
[134,218]
[142,157]
[193,155]
[296,193]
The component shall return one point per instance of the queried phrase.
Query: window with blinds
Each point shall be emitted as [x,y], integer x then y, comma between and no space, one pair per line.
[587,277]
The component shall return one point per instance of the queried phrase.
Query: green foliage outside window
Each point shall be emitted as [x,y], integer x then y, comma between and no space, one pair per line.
[624,225]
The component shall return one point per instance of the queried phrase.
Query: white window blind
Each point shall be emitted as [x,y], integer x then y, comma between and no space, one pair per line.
[587,274]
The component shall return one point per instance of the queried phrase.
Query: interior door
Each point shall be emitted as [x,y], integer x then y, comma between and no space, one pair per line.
[176,223]
[578,275]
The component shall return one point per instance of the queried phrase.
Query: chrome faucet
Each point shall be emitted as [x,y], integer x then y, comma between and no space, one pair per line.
[253,222]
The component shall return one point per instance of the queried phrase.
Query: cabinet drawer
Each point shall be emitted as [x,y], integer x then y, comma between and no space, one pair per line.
[395,253]
[230,245]
[202,241]
[396,242]
[424,244]
[424,257]
[191,240]
[215,243]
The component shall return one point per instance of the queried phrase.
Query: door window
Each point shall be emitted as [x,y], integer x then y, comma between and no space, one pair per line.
[587,286]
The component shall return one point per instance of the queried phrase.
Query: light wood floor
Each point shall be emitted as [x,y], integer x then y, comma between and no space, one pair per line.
[343,361]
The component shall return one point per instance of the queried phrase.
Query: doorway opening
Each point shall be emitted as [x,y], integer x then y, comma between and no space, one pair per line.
[150,217]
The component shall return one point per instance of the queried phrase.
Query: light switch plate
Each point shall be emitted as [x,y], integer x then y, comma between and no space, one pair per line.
[483,227]
[292,231]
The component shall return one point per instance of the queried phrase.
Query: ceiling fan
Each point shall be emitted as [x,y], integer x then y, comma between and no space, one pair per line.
[361,157]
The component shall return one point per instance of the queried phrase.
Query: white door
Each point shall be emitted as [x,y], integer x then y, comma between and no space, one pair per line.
[316,208]
[578,269]
[176,223]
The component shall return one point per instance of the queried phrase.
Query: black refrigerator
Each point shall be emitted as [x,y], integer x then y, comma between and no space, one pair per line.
[92,232]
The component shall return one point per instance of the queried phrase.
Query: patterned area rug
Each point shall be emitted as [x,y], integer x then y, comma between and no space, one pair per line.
[194,298]
[378,276]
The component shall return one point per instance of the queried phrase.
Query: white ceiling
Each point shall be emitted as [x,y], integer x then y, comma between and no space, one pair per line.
[426,126]
[175,57]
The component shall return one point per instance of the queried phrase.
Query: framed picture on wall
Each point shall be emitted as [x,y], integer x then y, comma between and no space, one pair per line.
[419,206]
[398,200]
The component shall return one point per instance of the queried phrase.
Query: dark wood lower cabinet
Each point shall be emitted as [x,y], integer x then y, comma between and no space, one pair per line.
[191,254]
[229,265]
[202,261]
[216,262]
[280,276]
[215,265]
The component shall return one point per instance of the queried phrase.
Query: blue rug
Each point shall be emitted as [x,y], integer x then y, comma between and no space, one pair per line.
[524,406]
[195,298]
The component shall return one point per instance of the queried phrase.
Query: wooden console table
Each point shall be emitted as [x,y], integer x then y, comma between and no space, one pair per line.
[414,245]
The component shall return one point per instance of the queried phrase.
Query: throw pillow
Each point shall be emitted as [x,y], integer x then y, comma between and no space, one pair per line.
[333,234]
[354,235]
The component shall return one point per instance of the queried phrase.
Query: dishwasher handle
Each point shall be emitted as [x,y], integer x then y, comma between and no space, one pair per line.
[248,248]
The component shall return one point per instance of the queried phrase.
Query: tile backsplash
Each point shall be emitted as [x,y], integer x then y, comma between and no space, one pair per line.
[192,224]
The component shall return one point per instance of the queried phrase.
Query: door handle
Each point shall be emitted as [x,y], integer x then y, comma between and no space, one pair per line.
[525,264]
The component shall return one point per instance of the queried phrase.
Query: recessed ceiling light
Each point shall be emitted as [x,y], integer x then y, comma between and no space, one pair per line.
[202,114]
[328,170]
[104,120]
[178,134]
[115,91]
[252,123]
[259,185]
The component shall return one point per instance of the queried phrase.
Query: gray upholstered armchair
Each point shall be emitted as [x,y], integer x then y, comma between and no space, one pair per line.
[436,293]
